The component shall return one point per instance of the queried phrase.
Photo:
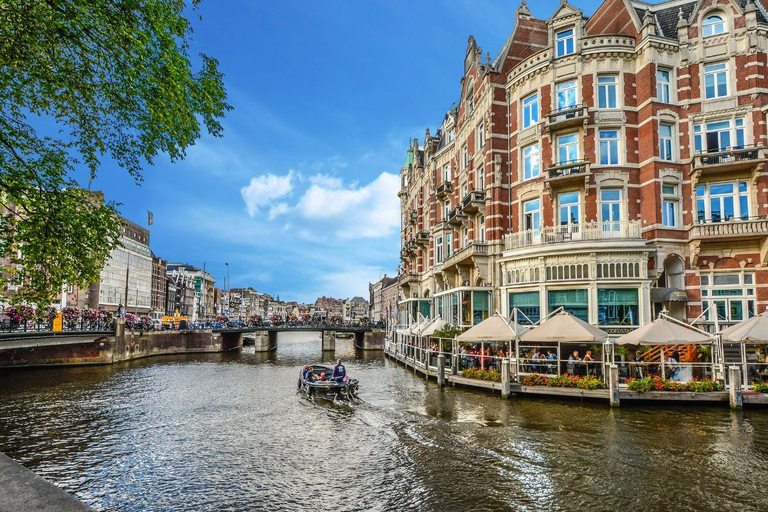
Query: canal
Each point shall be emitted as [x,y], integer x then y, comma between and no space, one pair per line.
[229,432]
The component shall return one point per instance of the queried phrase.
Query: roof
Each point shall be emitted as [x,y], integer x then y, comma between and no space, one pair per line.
[564,327]
[436,324]
[494,328]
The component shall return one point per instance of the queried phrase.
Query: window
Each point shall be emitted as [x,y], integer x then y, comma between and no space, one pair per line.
[609,147]
[669,205]
[480,306]
[665,141]
[480,135]
[532,217]
[464,190]
[569,209]
[439,249]
[575,302]
[566,95]
[730,296]
[716,80]
[470,98]
[662,85]
[464,237]
[721,202]
[564,42]
[528,307]
[448,246]
[567,148]
[481,228]
[713,25]
[530,110]
[446,173]
[617,306]
[610,209]
[446,210]
[464,156]
[531,162]
[606,91]
[718,136]
[480,179]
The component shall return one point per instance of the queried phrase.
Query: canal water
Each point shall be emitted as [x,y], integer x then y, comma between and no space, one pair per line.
[229,432]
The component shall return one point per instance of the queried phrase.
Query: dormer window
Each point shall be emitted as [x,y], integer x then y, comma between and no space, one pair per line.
[713,25]
[564,43]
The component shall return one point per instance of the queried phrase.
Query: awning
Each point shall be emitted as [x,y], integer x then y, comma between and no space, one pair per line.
[564,327]
[752,330]
[494,328]
[663,332]
[435,326]
[668,295]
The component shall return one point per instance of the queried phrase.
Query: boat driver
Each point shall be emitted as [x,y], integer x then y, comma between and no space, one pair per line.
[339,372]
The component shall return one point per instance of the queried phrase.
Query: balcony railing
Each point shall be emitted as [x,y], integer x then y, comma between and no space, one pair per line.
[456,216]
[473,201]
[422,237]
[567,168]
[408,277]
[443,189]
[731,159]
[587,231]
[567,116]
[751,228]
[473,250]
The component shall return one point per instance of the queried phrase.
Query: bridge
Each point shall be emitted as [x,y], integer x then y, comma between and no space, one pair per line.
[265,336]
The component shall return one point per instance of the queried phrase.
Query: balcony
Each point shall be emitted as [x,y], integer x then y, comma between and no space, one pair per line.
[729,160]
[413,216]
[563,173]
[585,232]
[443,189]
[567,117]
[473,201]
[467,255]
[731,230]
[422,237]
[408,277]
[456,217]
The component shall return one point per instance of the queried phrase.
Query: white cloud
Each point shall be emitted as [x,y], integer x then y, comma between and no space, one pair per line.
[264,189]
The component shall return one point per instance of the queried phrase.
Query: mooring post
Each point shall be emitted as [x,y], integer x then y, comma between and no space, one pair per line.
[613,385]
[734,387]
[441,370]
[505,387]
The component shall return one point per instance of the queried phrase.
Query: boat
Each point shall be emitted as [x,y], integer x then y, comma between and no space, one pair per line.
[344,335]
[328,389]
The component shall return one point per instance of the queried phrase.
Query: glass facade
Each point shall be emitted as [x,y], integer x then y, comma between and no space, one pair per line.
[464,307]
[528,306]
[731,295]
[617,306]
[575,302]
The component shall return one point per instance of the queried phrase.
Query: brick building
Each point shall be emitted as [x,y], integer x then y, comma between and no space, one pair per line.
[159,284]
[613,165]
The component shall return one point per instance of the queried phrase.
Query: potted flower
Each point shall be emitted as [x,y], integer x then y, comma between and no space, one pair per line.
[70,315]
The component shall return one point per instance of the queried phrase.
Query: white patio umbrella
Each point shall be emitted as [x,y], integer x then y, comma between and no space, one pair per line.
[752,330]
[565,328]
[663,332]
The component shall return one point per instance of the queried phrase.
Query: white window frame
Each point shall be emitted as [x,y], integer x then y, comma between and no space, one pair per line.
[745,293]
[531,155]
[561,145]
[609,148]
[480,179]
[481,228]
[446,173]
[480,136]
[569,207]
[713,71]
[439,249]
[737,196]
[530,110]
[664,87]
[607,84]
[670,205]
[667,142]
[563,89]
[714,24]
[565,42]
[464,156]
[736,130]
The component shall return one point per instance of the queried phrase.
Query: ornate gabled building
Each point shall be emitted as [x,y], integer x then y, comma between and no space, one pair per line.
[613,165]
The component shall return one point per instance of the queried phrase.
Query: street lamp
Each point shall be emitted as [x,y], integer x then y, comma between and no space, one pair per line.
[229,284]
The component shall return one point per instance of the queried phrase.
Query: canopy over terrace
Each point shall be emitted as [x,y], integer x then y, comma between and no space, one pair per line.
[436,324]
[752,330]
[666,337]
[494,329]
[561,328]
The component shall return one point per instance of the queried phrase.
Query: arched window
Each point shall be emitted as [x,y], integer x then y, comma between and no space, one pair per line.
[470,96]
[713,25]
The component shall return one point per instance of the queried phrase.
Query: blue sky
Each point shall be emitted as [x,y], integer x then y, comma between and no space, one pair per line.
[299,196]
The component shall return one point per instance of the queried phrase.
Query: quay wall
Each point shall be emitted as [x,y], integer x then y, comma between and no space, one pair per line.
[124,346]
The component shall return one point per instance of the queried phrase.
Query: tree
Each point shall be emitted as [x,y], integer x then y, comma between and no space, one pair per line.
[81,81]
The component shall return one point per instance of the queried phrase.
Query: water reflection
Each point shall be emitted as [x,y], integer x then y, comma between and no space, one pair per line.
[228,431]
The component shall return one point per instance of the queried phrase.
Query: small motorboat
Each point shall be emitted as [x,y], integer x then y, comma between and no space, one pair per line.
[344,335]
[328,389]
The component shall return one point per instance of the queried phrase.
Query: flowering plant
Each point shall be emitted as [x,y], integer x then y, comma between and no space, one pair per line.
[658,384]
[478,373]
[21,313]
[588,382]
[221,319]
[48,314]
[761,387]
[70,315]
[130,320]
[146,323]
[89,315]
[275,319]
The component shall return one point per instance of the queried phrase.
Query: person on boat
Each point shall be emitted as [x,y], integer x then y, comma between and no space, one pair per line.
[311,377]
[339,372]
[323,377]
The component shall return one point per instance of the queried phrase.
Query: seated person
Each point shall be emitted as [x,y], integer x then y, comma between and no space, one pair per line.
[339,371]
[323,377]
[311,377]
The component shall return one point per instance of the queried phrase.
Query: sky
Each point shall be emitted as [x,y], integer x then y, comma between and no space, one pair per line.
[299,195]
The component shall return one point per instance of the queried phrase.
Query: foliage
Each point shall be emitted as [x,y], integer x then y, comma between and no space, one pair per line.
[20,313]
[761,387]
[620,350]
[449,331]
[80,82]
[70,316]
[587,382]
[131,321]
[480,374]
[657,384]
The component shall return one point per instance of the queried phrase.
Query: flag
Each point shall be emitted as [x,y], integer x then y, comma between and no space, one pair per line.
[150,218]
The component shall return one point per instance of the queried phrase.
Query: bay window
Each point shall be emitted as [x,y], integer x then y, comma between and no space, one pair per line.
[723,201]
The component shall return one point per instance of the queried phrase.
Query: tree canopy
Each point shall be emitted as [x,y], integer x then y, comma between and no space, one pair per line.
[82,81]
